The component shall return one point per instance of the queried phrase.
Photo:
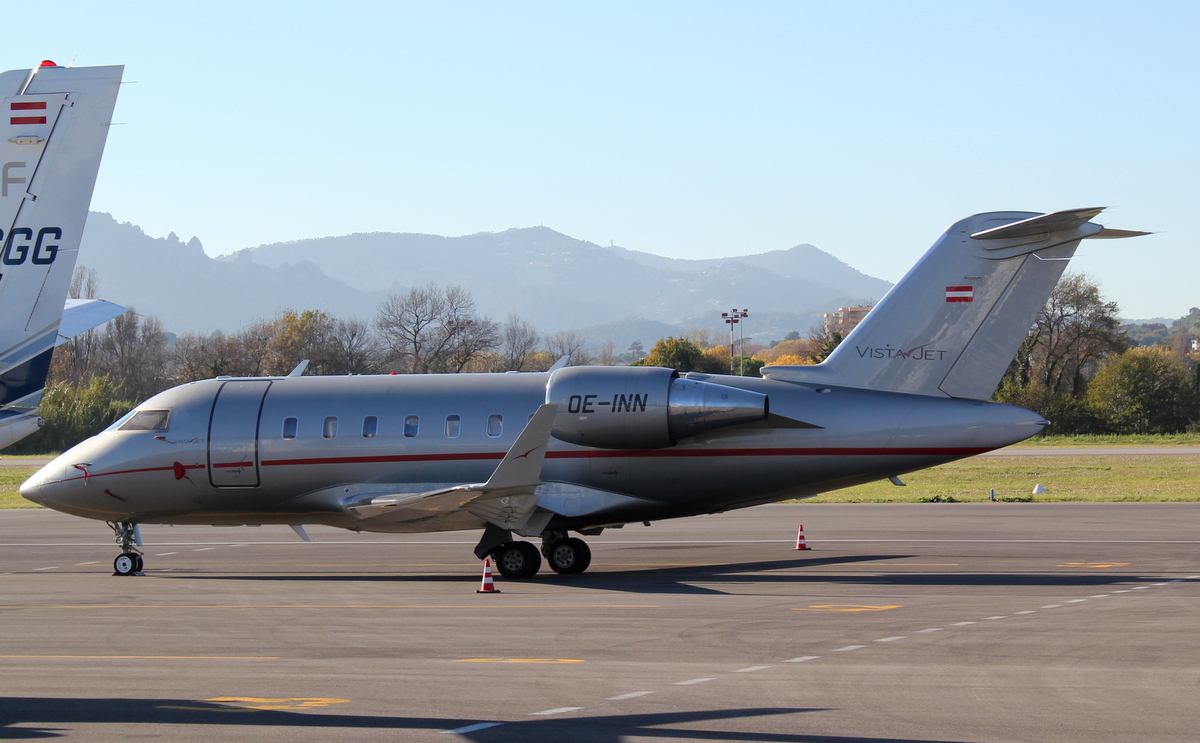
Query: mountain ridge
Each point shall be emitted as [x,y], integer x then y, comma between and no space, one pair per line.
[552,280]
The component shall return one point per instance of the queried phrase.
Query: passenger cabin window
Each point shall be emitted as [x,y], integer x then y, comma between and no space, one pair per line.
[370,427]
[412,426]
[495,425]
[289,428]
[330,428]
[147,420]
[453,422]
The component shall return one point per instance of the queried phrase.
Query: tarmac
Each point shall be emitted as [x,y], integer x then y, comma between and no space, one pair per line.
[909,622]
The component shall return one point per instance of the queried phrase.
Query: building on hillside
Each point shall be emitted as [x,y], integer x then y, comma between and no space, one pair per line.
[1196,345]
[845,319]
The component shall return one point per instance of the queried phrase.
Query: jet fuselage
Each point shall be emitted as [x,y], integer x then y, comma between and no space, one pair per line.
[296,449]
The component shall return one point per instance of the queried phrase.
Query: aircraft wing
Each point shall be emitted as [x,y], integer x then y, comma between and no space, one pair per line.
[507,499]
[81,315]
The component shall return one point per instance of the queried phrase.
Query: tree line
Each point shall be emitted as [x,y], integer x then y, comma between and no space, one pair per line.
[1078,366]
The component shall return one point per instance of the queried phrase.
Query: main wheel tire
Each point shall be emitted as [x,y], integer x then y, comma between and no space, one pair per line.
[569,556]
[517,560]
[125,564]
[140,564]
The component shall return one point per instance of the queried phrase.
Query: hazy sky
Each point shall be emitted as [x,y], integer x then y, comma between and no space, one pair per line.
[683,129]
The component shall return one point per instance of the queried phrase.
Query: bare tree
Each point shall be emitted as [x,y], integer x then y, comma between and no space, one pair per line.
[135,351]
[606,353]
[79,359]
[518,343]
[569,343]
[204,357]
[431,329]
[353,348]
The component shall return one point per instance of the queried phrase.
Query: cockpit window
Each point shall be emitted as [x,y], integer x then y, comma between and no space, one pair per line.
[147,420]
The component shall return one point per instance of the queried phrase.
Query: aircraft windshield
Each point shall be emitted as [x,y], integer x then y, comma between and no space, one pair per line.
[147,420]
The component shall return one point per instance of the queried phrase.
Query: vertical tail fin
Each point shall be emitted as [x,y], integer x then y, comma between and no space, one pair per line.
[55,121]
[951,326]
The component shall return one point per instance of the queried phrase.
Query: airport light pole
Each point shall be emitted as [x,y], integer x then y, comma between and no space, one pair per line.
[733,317]
[742,315]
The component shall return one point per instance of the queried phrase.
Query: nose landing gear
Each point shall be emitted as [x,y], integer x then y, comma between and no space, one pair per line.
[129,562]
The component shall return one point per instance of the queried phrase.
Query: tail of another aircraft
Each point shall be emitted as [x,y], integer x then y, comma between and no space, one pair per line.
[951,326]
[55,121]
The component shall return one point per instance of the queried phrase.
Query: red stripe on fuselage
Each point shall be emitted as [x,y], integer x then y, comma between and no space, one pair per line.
[962,451]
[643,453]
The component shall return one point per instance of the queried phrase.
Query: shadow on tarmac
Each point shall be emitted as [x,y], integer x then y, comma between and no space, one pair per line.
[53,718]
[685,579]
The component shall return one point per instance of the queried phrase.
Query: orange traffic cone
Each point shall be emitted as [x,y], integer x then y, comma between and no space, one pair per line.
[800,543]
[487,586]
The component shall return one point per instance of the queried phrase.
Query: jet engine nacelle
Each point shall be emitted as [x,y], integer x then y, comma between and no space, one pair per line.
[643,407]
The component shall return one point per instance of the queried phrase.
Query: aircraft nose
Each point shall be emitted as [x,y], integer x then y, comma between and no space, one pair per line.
[40,486]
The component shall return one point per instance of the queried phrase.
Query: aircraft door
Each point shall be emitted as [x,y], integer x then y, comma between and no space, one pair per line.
[233,434]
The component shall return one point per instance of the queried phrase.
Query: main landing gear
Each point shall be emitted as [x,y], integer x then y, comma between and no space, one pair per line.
[566,555]
[129,562]
[521,560]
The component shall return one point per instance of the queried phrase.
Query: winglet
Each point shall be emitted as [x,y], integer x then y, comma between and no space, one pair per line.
[299,369]
[522,465]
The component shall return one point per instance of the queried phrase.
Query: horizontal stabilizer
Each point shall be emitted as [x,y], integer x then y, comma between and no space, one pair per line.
[81,315]
[1110,233]
[1069,219]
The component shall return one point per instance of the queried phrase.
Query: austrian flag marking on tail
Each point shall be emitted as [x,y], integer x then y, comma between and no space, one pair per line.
[27,106]
[960,294]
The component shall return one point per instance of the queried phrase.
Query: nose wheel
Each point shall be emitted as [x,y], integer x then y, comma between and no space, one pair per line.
[129,562]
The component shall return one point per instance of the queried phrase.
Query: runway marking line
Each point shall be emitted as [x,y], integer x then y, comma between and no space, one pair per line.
[1000,617]
[146,657]
[1052,606]
[93,562]
[262,703]
[1027,611]
[473,728]
[52,567]
[931,629]
[258,704]
[847,607]
[330,606]
[1074,601]
[891,639]
[1093,565]
[691,682]
[751,669]
[802,659]
[848,647]
[519,660]
[962,624]
[630,695]
[556,711]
